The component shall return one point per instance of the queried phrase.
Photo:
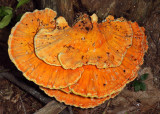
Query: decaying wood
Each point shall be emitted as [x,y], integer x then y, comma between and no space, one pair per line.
[65,9]
[131,9]
[41,4]
[52,107]
[26,87]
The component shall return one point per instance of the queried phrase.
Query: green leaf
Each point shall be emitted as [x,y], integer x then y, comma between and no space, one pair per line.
[136,85]
[8,10]
[5,21]
[5,11]
[21,2]
[136,82]
[137,88]
[144,77]
[143,86]
[5,16]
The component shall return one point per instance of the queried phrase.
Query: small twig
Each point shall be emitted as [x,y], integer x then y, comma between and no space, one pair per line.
[107,106]
[23,106]
[70,110]
[4,70]
[26,87]
[52,107]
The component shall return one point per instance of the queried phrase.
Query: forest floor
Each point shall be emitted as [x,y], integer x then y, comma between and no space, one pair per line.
[15,100]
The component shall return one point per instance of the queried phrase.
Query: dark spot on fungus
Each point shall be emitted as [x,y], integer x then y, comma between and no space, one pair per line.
[64,27]
[52,22]
[83,22]
[82,57]
[58,27]
[124,70]
[99,57]
[107,53]
[87,28]
[93,44]
[69,47]
[83,38]
[105,61]
[104,84]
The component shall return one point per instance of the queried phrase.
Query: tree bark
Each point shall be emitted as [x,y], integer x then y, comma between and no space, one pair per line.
[20,83]
[131,9]
[52,107]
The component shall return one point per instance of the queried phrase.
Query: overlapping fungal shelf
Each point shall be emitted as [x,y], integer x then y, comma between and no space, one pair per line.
[83,65]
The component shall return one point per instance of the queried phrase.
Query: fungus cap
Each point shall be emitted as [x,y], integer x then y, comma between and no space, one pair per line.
[76,100]
[100,83]
[21,52]
[83,65]
[86,43]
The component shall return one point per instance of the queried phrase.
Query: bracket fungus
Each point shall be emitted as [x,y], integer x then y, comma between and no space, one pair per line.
[83,65]
[86,43]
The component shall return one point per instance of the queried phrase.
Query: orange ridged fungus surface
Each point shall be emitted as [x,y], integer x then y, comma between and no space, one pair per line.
[83,65]
[86,43]
[76,100]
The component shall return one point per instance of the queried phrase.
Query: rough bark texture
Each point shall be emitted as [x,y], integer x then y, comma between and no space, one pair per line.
[52,107]
[33,91]
[145,12]
[136,10]
[41,4]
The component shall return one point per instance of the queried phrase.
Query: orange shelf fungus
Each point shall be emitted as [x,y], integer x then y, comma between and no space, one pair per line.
[21,52]
[83,65]
[86,43]
[76,100]
[102,82]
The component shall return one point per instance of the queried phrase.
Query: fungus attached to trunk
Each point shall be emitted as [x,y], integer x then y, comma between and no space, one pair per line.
[76,100]
[86,43]
[21,52]
[83,65]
